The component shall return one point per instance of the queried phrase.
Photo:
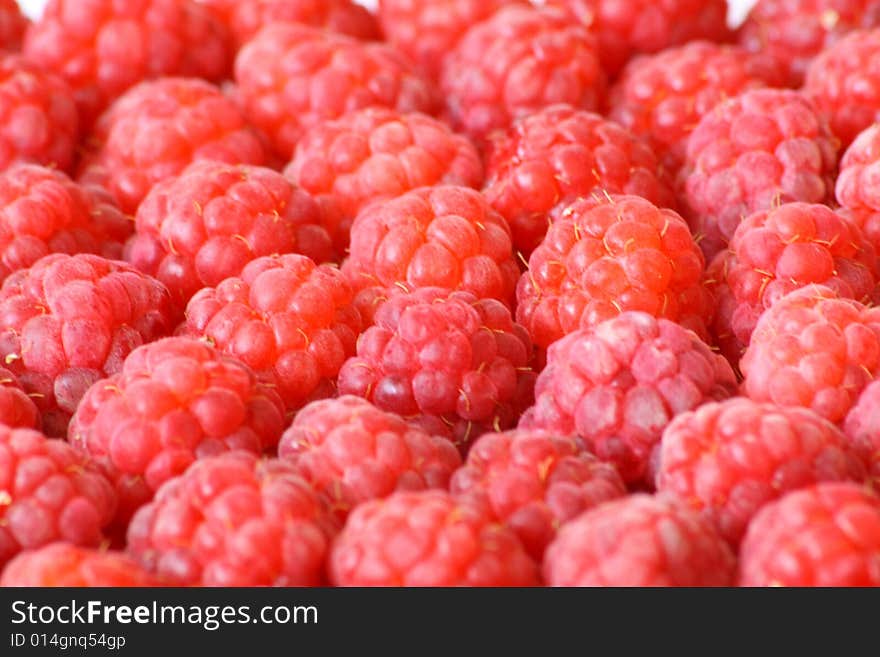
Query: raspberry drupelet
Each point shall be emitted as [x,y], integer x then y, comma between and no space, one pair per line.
[862,427]
[16,408]
[858,183]
[291,77]
[428,538]
[13,25]
[534,482]
[234,520]
[64,564]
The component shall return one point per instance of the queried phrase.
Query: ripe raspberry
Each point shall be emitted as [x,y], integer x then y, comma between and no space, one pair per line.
[728,459]
[234,520]
[605,256]
[48,492]
[774,252]
[640,540]
[16,408]
[862,427]
[13,25]
[813,349]
[534,482]
[761,149]
[662,97]
[376,154]
[443,236]
[173,401]
[289,320]
[103,47]
[858,184]
[63,564]
[826,535]
[38,120]
[427,538]
[352,452]
[203,226]
[68,321]
[458,364]
[559,154]
[618,384]
[42,211]
[515,63]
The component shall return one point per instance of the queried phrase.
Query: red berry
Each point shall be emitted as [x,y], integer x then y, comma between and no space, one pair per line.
[427,539]
[728,459]
[289,320]
[13,25]
[858,184]
[862,427]
[63,564]
[639,540]
[534,482]
[16,408]
[557,155]
[234,520]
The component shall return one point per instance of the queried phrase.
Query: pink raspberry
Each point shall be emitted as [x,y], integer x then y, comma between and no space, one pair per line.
[862,427]
[13,25]
[16,408]
[640,540]
[63,564]
[534,482]
[619,384]
[858,184]
[456,364]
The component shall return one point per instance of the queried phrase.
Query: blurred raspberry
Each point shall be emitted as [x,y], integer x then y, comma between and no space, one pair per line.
[427,539]
[13,25]
[63,564]
[858,183]
[862,427]
[534,482]
[289,320]
[377,154]
[16,408]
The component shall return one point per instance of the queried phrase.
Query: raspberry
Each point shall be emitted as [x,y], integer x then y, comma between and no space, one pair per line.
[291,321]
[48,492]
[534,482]
[862,427]
[790,33]
[841,84]
[640,540]
[605,256]
[559,154]
[234,520]
[753,152]
[813,349]
[457,364]
[662,97]
[774,252]
[38,120]
[203,226]
[63,564]
[68,321]
[16,408]
[858,186]
[427,539]
[352,452]
[103,47]
[376,154]
[826,535]
[728,459]
[13,25]
[173,401]
[42,211]
[515,63]
[441,236]
[618,385]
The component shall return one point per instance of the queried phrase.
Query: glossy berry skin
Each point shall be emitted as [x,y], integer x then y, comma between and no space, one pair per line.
[38,117]
[63,564]
[203,226]
[13,25]
[640,540]
[813,349]
[42,211]
[352,452]
[234,520]
[442,236]
[515,63]
[68,321]
[557,155]
[158,128]
[288,319]
[535,482]
[862,427]
[16,408]
[774,252]
[455,364]
[291,77]
[858,186]
[604,256]
[49,492]
[728,459]
[377,154]
[427,538]
[619,384]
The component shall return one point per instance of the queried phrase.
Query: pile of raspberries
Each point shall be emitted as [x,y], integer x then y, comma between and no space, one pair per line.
[448,293]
